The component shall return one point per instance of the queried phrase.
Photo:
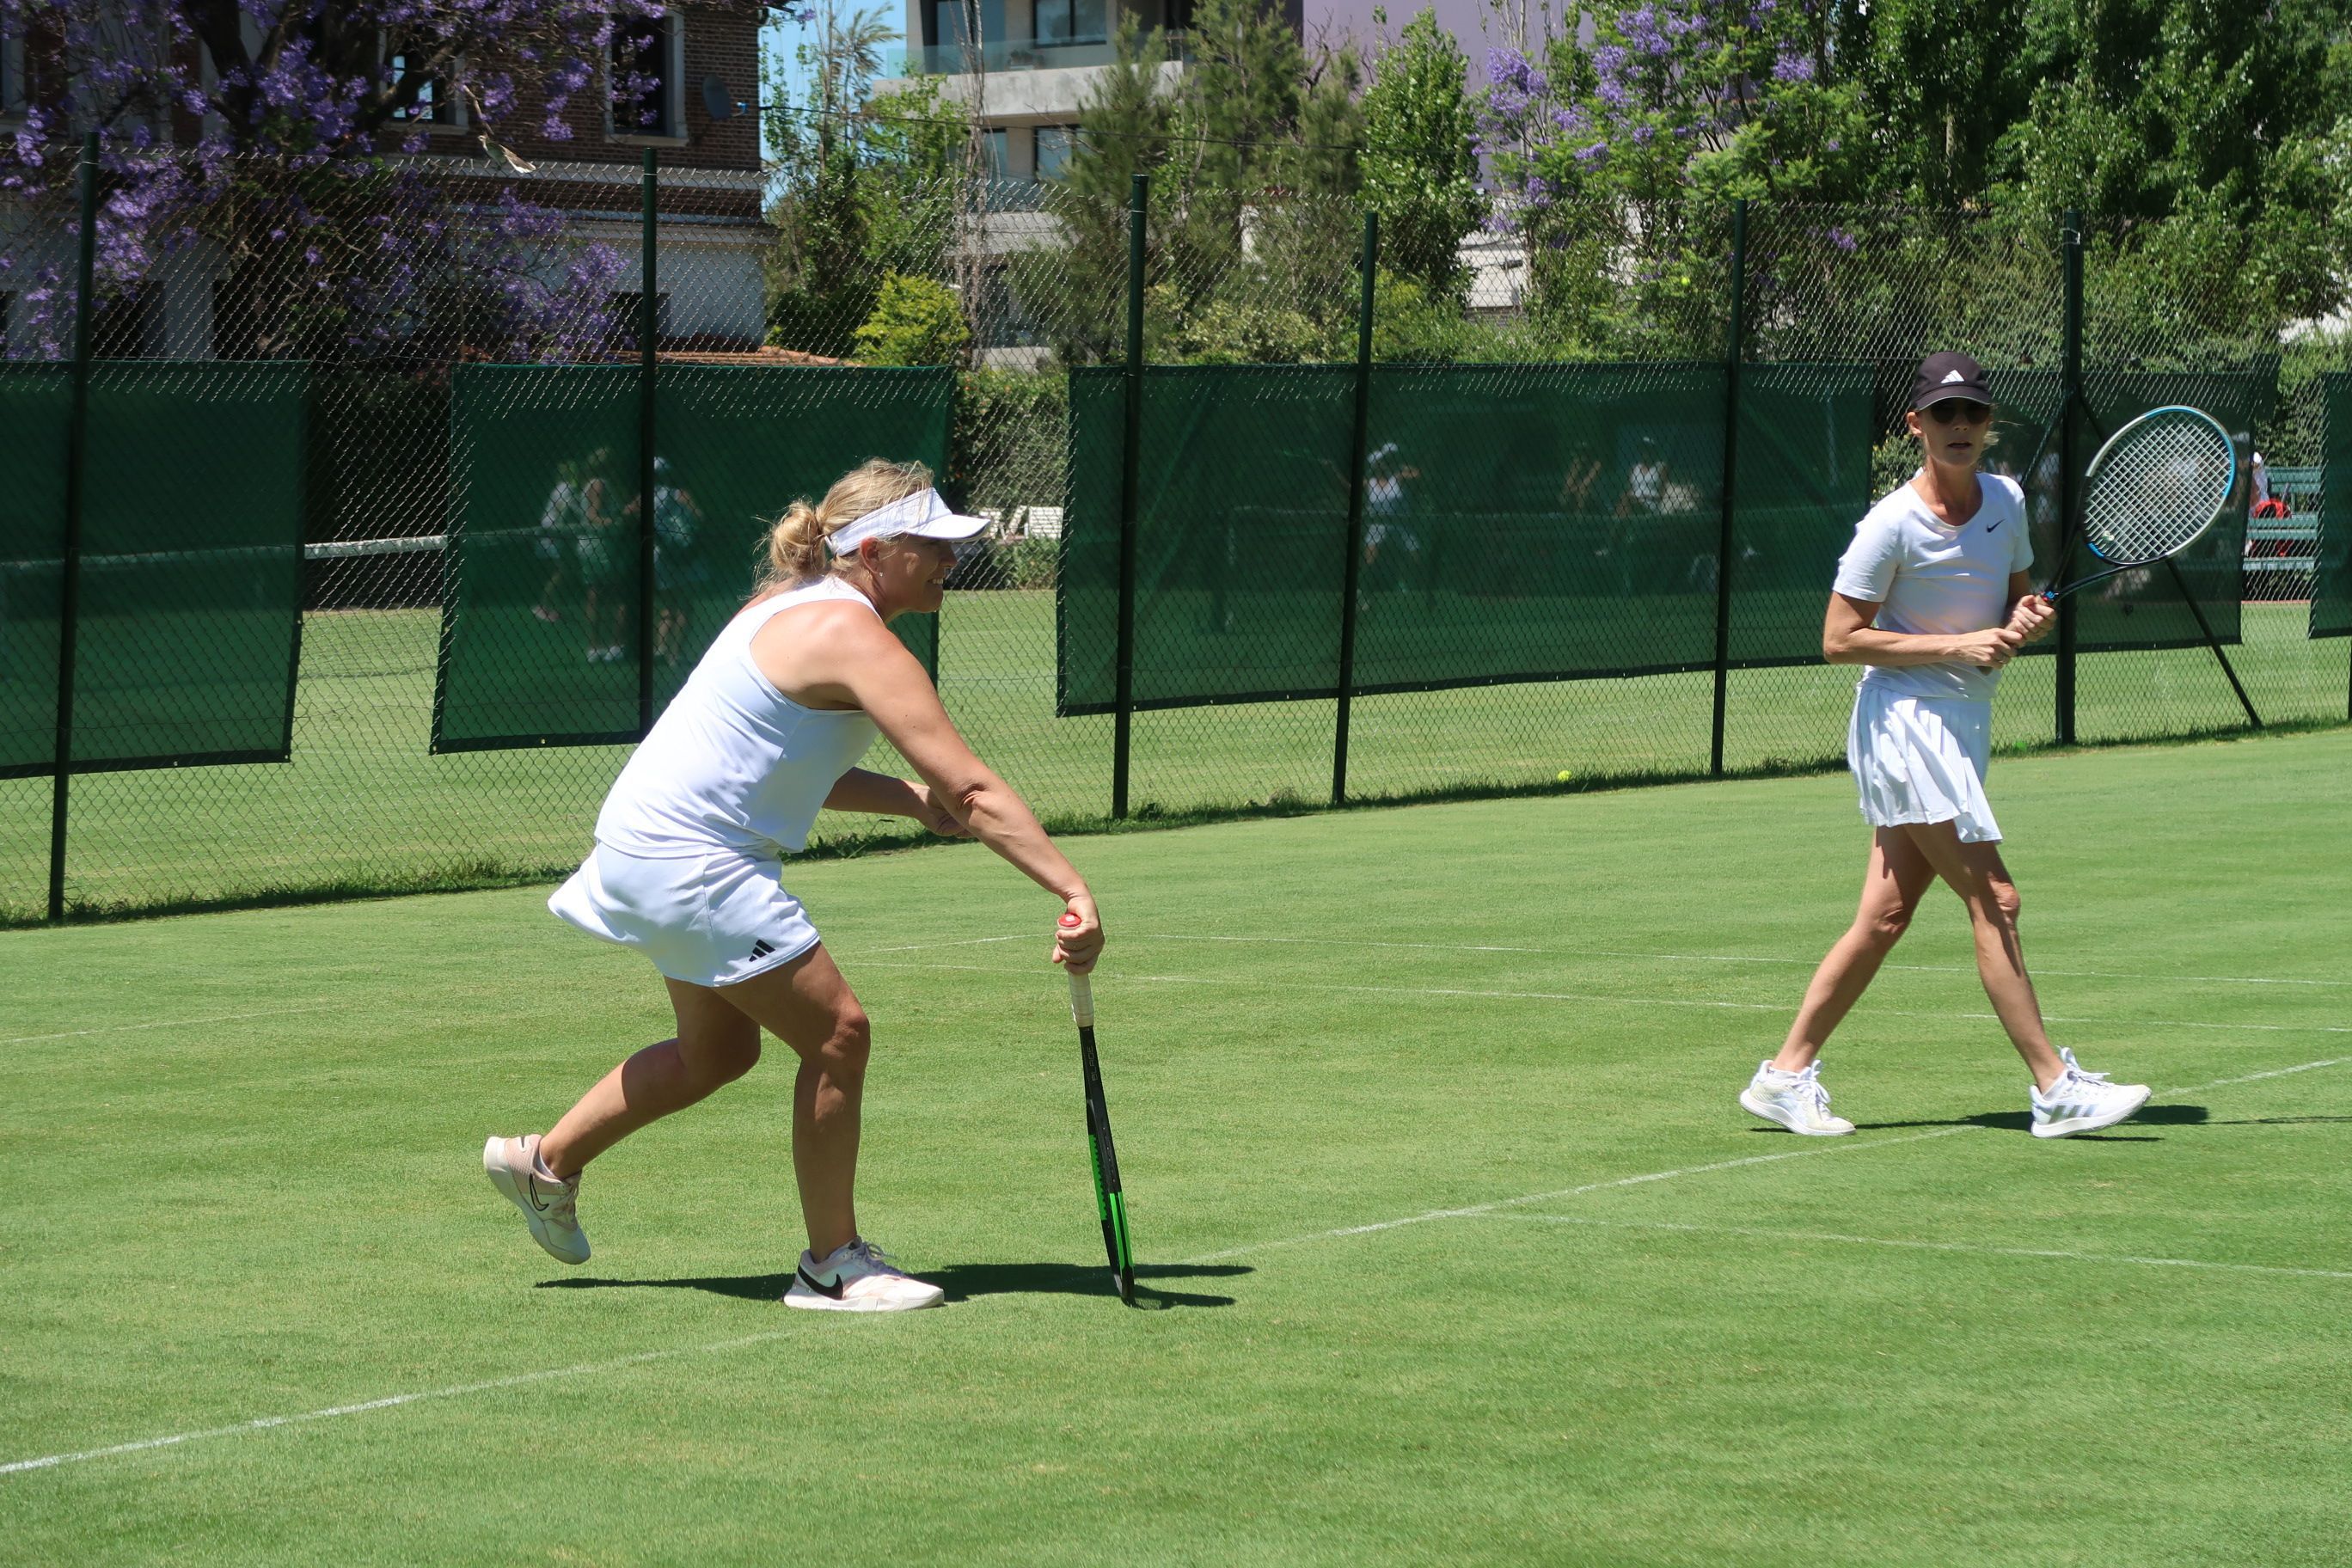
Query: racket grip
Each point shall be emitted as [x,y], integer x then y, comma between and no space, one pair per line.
[1082,1001]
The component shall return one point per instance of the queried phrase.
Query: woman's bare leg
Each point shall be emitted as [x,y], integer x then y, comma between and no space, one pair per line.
[1898,875]
[714,1046]
[808,1005]
[1975,871]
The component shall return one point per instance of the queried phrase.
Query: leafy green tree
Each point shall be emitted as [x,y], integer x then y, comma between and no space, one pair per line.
[1420,164]
[916,321]
[1942,84]
[1077,285]
[2211,125]
[865,184]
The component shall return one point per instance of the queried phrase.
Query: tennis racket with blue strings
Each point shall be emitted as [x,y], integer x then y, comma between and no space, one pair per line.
[2150,492]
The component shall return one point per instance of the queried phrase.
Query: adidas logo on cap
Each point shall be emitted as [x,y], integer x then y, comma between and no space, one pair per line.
[1952,375]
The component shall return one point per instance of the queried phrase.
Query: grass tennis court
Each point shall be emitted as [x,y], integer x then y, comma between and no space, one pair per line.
[1464,1252]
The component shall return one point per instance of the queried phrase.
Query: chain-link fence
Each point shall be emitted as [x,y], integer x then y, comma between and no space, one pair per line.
[370,516]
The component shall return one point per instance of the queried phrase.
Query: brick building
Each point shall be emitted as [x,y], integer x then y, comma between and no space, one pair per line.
[699,64]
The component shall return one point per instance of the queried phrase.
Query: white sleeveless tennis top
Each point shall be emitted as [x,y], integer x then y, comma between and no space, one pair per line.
[732,762]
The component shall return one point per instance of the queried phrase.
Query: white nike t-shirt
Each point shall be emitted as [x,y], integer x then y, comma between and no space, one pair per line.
[1929,578]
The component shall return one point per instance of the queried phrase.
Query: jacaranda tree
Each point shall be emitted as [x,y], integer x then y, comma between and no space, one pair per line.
[270,132]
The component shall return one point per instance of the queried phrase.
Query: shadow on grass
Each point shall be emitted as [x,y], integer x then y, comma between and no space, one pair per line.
[2023,1121]
[964,1282]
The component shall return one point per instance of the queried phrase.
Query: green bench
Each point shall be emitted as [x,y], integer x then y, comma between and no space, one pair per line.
[2280,551]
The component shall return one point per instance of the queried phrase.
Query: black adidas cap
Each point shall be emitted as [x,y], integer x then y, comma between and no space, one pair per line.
[1949,376]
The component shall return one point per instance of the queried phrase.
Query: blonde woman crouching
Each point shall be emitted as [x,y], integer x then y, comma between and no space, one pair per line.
[689,849]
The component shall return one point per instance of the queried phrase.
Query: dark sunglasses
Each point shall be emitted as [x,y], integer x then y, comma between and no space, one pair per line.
[1958,411]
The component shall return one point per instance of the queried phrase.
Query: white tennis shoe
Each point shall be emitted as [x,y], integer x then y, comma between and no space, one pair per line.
[513,1166]
[859,1277]
[1795,1100]
[2083,1102]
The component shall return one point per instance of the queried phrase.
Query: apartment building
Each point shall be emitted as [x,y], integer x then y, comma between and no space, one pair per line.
[1035,63]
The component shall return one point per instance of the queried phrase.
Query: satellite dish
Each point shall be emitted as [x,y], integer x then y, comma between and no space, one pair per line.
[717,102]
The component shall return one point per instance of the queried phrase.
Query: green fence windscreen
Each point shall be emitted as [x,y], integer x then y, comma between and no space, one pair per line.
[33,404]
[190,627]
[1521,522]
[542,639]
[2331,589]
[1240,539]
[1802,483]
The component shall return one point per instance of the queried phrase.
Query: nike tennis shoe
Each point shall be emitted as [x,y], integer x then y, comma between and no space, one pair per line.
[859,1277]
[1795,1100]
[514,1168]
[2083,1102]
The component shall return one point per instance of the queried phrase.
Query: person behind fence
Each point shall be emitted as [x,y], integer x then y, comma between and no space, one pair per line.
[559,525]
[1932,599]
[1388,533]
[688,865]
[603,550]
[1639,501]
[679,564]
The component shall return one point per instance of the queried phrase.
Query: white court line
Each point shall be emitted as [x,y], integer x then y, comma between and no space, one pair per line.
[169,1023]
[1692,957]
[1231,979]
[1479,1211]
[2040,1252]
[264,1424]
[2276,1072]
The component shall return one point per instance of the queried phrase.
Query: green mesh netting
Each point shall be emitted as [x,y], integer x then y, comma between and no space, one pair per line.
[543,614]
[190,623]
[1521,522]
[2331,590]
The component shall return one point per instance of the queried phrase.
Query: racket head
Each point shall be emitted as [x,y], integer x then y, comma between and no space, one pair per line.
[2157,485]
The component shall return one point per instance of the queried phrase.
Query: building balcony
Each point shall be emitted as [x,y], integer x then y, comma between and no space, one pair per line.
[1011,55]
[1003,55]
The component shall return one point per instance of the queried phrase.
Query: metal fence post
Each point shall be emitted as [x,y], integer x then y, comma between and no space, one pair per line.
[649,322]
[2070,497]
[1130,483]
[1350,578]
[1735,347]
[76,472]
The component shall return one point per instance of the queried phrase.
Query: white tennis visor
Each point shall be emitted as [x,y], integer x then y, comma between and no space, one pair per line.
[923,515]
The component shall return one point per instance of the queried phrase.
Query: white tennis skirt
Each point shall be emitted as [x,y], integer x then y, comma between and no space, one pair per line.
[709,920]
[1922,759]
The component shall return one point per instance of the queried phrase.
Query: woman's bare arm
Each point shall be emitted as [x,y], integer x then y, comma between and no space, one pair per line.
[879,794]
[1849,636]
[840,656]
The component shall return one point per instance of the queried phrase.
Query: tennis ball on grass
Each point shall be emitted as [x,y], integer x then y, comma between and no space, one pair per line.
[1565,774]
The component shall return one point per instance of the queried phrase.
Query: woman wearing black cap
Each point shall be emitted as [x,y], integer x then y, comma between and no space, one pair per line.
[1933,598]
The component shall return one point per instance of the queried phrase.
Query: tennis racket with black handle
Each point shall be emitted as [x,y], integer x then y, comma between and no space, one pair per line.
[2150,492]
[1110,1201]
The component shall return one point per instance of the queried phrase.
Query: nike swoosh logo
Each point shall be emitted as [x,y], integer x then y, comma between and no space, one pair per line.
[1992,526]
[818,1286]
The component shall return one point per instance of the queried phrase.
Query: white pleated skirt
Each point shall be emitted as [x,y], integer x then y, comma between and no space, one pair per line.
[1922,759]
[708,920]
